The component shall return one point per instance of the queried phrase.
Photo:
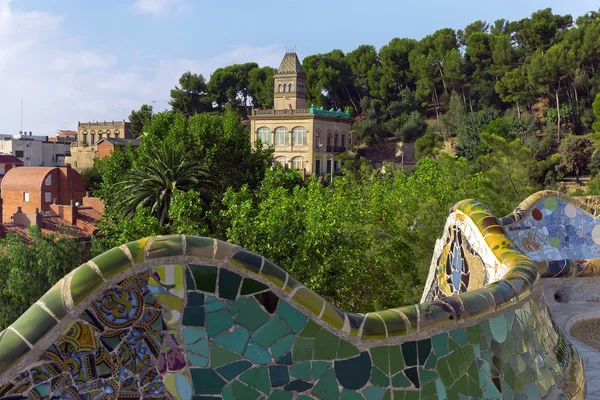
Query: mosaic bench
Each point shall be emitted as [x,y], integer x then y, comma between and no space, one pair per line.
[195,318]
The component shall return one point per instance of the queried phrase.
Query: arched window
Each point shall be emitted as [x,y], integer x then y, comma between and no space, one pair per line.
[299,162]
[84,136]
[92,138]
[299,136]
[264,134]
[281,161]
[280,88]
[107,134]
[116,134]
[290,87]
[282,137]
[100,134]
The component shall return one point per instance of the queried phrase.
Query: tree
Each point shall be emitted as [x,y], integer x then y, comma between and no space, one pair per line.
[191,97]
[29,269]
[139,119]
[542,30]
[261,86]
[596,110]
[549,71]
[575,154]
[157,177]
[428,145]
[514,87]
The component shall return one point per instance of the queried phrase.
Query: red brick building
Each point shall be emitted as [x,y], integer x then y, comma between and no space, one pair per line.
[8,161]
[32,188]
[106,146]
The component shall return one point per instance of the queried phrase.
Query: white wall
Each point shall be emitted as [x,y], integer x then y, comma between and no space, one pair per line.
[35,153]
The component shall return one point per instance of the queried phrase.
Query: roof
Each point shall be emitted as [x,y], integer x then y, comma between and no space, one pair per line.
[25,178]
[119,141]
[290,64]
[9,159]
[66,133]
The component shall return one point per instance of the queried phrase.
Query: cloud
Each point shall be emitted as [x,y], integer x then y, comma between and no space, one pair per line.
[62,82]
[157,7]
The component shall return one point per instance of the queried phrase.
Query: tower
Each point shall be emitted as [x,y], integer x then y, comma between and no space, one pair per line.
[290,84]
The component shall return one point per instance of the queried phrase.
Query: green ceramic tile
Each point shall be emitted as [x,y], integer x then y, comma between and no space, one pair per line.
[206,381]
[270,332]
[84,281]
[12,348]
[244,392]
[346,350]
[235,340]
[459,335]
[257,354]
[373,329]
[396,359]
[34,324]
[474,334]
[193,316]
[293,318]
[217,322]
[281,395]
[164,246]
[400,380]
[440,344]
[54,301]
[443,369]
[222,249]
[310,330]
[301,370]
[247,261]
[282,346]
[423,349]
[205,277]
[303,349]
[309,300]
[333,316]
[221,356]
[327,387]
[394,322]
[229,284]
[350,395]
[374,393]
[189,281]
[235,307]
[251,315]
[378,378]
[431,362]
[380,356]
[112,262]
[257,378]
[136,249]
[250,286]
[195,299]
[326,345]
[498,327]
[199,247]
[409,351]
[427,376]
[274,274]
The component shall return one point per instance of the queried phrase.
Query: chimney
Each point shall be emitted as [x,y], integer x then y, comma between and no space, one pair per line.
[55,201]
[37,210]
[72,203]
[88,194]
[19,210]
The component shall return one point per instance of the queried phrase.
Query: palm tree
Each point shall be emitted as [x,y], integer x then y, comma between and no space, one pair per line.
[157,176]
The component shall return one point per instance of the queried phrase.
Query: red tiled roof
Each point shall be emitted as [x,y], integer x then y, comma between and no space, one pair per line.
[66,133]
[9,159]
[25,178]
[84,228]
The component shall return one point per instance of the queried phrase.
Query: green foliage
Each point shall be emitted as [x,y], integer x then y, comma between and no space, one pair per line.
[468,132]
[190,97]
[575,154]
[157,176]
[29,269]
[139,119]
[92,178]
[187,213]
[428,145]
[596,110]
[594,164]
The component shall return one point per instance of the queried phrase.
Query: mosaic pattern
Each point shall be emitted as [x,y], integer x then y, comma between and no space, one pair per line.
[194,318]
[559,233]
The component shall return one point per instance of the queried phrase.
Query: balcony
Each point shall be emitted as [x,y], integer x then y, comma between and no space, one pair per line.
[280,112]
[336,149]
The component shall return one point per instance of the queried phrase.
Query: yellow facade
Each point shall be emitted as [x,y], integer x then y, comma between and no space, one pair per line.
[302,138]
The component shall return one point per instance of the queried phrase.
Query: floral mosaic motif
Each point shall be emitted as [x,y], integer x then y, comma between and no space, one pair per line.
[557,232]
[202,319]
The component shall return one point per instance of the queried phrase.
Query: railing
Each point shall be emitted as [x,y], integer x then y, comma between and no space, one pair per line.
[336,149]
[281,112]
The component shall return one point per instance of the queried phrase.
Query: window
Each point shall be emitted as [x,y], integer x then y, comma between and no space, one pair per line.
[281,161]
[299,136]
[290,87]
[99,135]
[299,162]
[48,180]
[116,134]
[264,134]
[280,88]
[93,138]
[343,141]
[281,136]
[84,138]
[48,197]
[19,153]
[108,134]
[26,197]
[335,140]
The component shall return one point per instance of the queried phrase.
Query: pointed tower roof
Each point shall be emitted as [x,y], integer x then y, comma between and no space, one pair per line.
[290,64]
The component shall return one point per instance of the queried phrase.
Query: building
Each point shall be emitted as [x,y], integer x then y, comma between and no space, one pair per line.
[35,151]
[84,150]
[106,146]
[303,138]
[34,190]
[7,162]
[63,136]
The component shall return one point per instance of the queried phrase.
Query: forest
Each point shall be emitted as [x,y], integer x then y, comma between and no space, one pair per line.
[496,112]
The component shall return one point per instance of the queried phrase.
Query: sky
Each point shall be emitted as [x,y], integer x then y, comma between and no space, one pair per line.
[79,60]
